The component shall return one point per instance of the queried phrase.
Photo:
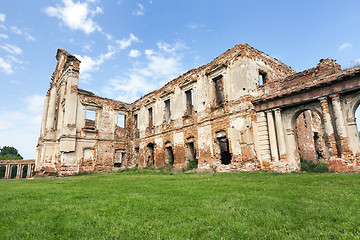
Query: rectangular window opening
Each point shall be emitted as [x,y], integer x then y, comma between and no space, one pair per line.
[189,101]
[121,120]
[90,116]
[136,121]
[219,89]
[262,78]
[150,112]
[167,111]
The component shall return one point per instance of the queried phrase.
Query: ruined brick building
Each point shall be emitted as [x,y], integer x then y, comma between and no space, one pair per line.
[243,111]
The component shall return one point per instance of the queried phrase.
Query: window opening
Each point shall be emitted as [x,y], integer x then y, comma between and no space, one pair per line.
[150,161]
[90,119]
[225,155]
[150,112]
[119,158]
[121,120]
[167,111]
[262,78]
[169,156]
[191,151]
[219,89]
[136,121]
[189,101]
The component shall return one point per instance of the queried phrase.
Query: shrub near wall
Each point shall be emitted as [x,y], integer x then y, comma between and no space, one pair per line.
[309,166]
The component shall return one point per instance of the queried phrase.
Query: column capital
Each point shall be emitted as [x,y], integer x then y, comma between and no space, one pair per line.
[322,99]
[268,111]
[277,110]
[335,96]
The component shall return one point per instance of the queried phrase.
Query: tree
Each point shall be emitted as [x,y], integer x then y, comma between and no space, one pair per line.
[9,153]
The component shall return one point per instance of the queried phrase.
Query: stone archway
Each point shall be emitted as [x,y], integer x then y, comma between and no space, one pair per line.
[24,171]
[2,171]
[13,171]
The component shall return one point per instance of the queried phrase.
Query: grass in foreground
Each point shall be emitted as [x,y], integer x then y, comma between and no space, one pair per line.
[129,205]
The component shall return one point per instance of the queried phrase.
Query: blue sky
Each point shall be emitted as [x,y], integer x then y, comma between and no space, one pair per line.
[130,47]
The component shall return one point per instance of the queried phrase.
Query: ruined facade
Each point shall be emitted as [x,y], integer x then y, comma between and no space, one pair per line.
[237,113]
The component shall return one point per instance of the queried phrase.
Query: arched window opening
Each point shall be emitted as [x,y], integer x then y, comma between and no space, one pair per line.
[310,137]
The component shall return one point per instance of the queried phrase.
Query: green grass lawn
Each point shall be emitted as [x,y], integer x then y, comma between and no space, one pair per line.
[133,205]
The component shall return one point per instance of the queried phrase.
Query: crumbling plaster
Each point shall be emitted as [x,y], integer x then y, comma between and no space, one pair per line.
[233,118]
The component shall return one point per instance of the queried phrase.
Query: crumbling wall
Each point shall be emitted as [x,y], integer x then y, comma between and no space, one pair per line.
[222,114]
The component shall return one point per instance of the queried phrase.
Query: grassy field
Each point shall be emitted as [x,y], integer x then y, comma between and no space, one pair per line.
[138,205]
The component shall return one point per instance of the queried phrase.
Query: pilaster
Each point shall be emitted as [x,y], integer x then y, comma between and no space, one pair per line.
[280,134]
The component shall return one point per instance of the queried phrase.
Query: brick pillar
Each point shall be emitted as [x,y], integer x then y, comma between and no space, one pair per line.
[329,131]
[272,136]
[340,125]
[280,134]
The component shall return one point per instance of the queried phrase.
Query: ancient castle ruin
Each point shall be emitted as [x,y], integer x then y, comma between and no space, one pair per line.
[243,111]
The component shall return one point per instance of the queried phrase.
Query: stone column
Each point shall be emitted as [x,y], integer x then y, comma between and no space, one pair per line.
[44,116]
[29,171]
[292,146]
[280,134]
[329,131]
[18,172]
[50,118]
[353,136]
[7,171]
[272,136]
[340,125]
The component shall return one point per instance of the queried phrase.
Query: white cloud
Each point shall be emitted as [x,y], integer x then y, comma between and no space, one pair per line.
[149,52]
[158,68]
[28,37]
[2,17]
[16,30]
[140,11]
[357,62]
[11,49]
[134,53]
[89,64]
[345,45]
[77,16]
[4,36]
[6,67]
[126,42]
[171,48]
[34,103]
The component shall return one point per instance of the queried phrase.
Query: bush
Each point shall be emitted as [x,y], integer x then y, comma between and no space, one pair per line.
[309,166]
[193,163]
